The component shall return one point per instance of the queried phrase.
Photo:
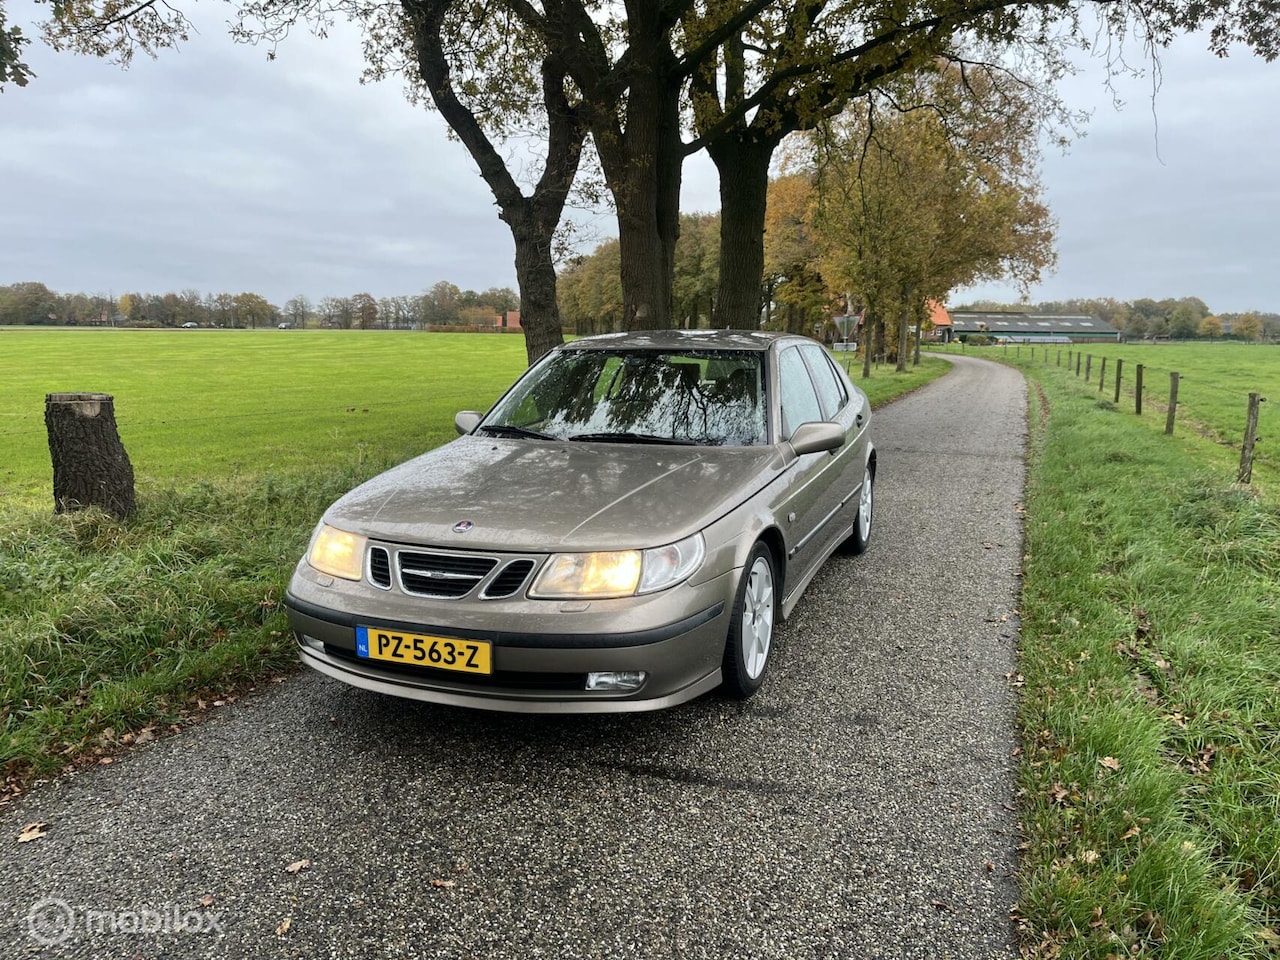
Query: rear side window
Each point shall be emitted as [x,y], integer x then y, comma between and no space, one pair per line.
[798,399]
[830,390]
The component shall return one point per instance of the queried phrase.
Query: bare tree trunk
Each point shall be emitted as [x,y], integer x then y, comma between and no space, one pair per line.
[641,155]
[867,321]
[533,219]
[539,311]
[904,331]
[744,191]
[90,465]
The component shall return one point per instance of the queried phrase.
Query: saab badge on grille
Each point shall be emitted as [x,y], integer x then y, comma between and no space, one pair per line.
[462,526]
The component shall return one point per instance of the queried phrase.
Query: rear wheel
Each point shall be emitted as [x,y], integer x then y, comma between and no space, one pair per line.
[750,640]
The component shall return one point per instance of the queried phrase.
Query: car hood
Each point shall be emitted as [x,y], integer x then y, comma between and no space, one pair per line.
[530,495]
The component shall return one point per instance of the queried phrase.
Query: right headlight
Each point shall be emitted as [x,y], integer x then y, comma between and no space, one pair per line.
[337,553]
[621,573]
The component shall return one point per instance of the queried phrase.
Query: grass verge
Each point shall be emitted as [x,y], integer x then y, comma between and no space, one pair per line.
[1150,659]
[109,628]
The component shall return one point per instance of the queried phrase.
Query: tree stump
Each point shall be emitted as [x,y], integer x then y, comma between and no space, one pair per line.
[90,465]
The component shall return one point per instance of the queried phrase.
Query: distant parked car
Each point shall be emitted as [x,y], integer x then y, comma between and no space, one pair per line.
[620,532]
[284,326]
[190,323]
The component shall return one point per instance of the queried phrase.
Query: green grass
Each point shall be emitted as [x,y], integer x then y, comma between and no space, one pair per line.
[1216,380]
[215,404]
[239,440]
[1150,718]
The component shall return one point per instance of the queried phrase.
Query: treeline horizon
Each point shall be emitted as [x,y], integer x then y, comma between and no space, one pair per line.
[443,304]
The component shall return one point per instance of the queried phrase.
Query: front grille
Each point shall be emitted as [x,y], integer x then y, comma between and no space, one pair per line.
[440,574]
[508,581]
[380,567]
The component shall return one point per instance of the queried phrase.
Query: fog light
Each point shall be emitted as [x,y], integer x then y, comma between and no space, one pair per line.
[621,680]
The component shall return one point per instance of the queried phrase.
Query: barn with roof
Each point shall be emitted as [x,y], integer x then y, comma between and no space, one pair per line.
[1012,326]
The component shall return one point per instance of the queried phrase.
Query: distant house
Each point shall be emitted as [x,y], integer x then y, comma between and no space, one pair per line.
[510,319]
[941,321]
[1012,326]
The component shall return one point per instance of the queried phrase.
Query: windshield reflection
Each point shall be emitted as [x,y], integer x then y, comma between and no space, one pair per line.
[705,397]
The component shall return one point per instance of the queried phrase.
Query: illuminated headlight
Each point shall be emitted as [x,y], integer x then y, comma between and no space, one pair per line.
[337,553]
[618,573]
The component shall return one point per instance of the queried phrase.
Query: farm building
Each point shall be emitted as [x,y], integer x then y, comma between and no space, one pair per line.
[1011,326]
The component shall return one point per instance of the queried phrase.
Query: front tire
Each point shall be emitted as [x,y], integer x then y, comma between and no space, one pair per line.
[750,640]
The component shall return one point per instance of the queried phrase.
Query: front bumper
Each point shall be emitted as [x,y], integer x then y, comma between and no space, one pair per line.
[534,670]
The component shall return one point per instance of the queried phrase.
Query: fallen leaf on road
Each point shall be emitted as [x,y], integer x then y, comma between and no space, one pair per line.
[207,900]
[298,865]
[33,831]
[285,924]
[443,883]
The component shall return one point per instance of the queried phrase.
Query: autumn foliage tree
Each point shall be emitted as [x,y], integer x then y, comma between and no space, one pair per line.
[933,189]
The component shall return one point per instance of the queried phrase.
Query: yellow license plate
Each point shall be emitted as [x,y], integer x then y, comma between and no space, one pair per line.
[442,653]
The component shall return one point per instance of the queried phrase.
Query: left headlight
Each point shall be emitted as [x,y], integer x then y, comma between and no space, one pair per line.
[337,553]
[618,573]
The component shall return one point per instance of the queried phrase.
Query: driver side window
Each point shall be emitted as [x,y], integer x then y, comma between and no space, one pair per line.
[797,397]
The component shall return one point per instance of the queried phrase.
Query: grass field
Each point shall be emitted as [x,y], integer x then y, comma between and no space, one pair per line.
[214,404]
[239,440]
[1215,382]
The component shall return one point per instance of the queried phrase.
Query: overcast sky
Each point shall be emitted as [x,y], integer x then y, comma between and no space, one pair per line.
[214,169]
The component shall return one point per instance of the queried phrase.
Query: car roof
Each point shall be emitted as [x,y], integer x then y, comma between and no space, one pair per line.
[758,340]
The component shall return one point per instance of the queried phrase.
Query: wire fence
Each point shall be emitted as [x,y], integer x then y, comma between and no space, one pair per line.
[1227,415]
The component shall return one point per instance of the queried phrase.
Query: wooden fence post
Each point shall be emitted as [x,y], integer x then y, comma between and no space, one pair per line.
[1137,391]
[1059,357]
[1173,404]
[1102,374]
[1119,368]
[1088,365]
[1077,363]
[1250,438]
[90,465]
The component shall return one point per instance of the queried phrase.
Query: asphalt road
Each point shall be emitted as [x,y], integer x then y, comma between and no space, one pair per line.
[860,806]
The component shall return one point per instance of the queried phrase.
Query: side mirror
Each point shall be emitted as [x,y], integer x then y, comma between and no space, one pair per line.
[466,421]
[817,436]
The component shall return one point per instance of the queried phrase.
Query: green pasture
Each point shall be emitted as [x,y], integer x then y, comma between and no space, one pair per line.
[214,404]
[1213,392]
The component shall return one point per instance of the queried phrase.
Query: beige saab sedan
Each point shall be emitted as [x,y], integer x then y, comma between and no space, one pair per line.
[622,531]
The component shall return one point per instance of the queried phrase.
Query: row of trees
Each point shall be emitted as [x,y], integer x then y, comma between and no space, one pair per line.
[1184,318]
[633,88]
[884,209]
[443,304]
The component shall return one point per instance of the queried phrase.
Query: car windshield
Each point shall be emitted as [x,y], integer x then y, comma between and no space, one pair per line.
[705,397]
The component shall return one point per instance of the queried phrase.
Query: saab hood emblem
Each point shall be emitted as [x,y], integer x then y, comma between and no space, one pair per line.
[462,526]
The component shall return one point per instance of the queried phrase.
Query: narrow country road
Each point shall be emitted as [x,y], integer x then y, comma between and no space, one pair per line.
[860,806]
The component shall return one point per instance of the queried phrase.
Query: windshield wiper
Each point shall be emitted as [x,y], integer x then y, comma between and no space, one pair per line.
[623,437]
[511,430]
